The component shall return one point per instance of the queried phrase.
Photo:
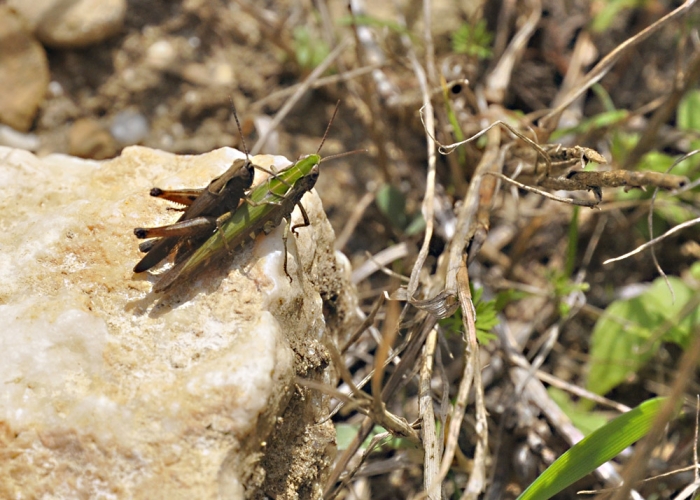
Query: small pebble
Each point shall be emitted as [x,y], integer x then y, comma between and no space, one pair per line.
[55,89]
[14,139]
[24,72]
[129,127]
[160,55]
[78,23]
[88,139]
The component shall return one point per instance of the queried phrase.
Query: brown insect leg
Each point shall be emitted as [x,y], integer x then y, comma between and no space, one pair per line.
[305,216]
[284,240]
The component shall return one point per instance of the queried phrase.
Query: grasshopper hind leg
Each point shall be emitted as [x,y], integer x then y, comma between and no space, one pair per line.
[305,216]
[285,235]
[287,228]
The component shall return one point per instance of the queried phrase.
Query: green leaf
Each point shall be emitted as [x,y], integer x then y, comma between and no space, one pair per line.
[594,450]
[688,118]
[605,99]
[584,420]
[655,161]
[623,337]
[473,40]
[605,17]
[688,113]
[621,144]
[308,51]
[345,434]
[660,162]
[695,270]
[605,119]
[417,225]
[486,318]
[689,166]
[505,297]
[392,203]
[672,213]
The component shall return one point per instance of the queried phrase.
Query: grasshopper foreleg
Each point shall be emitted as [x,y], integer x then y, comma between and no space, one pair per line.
[265,202]
[305,216]
[219,222]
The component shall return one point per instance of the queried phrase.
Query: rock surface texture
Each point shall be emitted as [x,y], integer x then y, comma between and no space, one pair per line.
[112,391]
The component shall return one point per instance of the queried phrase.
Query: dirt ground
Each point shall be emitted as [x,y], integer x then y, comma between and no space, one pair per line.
[173,68]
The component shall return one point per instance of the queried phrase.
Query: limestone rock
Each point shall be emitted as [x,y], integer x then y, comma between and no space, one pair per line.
[110,390]
[24,72]
[77,23]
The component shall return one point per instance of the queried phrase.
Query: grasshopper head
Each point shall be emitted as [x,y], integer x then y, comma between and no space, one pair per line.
[248,172]
[244,171]
[309,180]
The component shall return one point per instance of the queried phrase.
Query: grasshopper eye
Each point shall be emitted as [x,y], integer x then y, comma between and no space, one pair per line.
[313,175]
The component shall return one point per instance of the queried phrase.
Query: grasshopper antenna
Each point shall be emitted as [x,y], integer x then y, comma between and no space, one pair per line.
[245,147]
[240,130]
[341,155]
[328,127]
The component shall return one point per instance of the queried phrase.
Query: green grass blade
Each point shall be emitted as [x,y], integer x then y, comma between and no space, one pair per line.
[594,450]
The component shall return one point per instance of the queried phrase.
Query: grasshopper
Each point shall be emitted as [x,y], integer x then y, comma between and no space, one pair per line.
[199,219]
[264,210]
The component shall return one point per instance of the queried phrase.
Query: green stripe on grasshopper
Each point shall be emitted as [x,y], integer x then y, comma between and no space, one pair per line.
[269,203]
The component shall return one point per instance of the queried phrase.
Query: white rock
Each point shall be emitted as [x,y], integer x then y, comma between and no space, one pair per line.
[111,391]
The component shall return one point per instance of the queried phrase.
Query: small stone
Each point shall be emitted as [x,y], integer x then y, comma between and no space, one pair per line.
[77,23]
[129,127]
[161,55]
[10,137]
[87,138]
[56,89]
[218,74]
[24,72]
